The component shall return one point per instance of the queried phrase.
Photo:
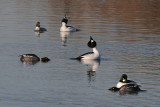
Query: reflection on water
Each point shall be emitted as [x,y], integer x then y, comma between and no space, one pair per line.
[93,63]
[64,36]
[29,62]
[42,30]
[93,66]
[37,34]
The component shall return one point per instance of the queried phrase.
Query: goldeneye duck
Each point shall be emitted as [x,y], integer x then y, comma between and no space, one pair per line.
[125,86]
[95,55]
[124,81]
[33,58]
[39,29]
[66,28]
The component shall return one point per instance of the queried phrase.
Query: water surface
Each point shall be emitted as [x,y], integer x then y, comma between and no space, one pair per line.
[128,38]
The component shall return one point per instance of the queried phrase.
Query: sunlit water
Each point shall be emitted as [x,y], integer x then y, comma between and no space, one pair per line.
[128,38]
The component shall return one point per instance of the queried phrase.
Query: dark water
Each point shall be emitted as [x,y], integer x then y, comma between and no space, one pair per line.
[128,37]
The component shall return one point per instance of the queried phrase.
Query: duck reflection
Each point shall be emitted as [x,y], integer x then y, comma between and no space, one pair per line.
[94,66]
[64,36]
[30,63]
[37,34]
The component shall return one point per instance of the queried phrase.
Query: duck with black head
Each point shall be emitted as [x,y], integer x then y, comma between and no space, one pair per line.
[125,86]
[94,55]
[124,81]
[65,28]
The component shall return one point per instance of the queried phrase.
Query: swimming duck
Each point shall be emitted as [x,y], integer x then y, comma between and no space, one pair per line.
[95,55]
[125,86]
[66,28]
[39,29]
[33,58]
[124,81]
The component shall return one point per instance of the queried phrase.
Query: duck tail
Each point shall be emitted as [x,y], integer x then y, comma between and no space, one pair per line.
[78,58]
[78,30]
[73,58]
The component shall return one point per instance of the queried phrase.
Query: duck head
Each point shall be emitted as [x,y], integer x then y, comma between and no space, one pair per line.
[92,43]
[45,59]
[123,78]
[38,24]
[114,89]
[65,20]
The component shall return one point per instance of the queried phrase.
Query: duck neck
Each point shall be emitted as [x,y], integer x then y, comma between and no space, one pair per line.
[95,50]
[64,24]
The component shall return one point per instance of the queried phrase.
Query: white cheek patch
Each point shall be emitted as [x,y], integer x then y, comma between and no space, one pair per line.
[92,41]
[124,80]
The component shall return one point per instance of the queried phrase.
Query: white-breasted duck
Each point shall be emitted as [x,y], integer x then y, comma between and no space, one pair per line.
[38,28]
[33,58]
[95,55]
[65,28]
[125,86]
[124,81]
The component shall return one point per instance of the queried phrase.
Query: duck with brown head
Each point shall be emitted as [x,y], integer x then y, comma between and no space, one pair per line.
[39,29]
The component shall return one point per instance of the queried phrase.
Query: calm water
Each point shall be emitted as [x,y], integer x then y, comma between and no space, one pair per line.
[128,37]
